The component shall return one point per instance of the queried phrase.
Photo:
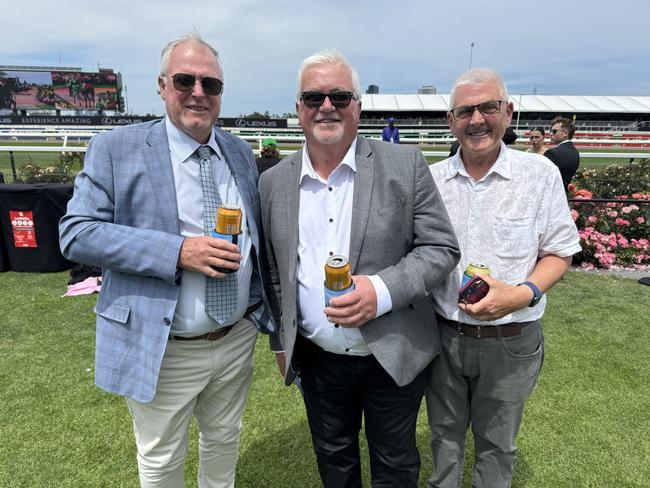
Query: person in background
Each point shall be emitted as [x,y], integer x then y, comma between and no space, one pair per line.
[270,155]
[363,357]
[390,132]
[175,333]
[536,138]
[510,214]
[564,155]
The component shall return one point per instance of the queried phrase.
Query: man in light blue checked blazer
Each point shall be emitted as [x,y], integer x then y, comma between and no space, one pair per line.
[137,211]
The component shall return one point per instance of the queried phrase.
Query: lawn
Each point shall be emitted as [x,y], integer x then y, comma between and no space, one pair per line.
[586,424]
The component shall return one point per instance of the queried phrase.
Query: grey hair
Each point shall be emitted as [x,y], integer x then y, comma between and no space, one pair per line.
[476,76]
[192,38]
[330,56]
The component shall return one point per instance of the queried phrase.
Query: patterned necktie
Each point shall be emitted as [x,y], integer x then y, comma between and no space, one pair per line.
[220,294]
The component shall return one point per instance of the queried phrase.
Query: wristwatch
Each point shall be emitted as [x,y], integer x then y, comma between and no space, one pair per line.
[537,294]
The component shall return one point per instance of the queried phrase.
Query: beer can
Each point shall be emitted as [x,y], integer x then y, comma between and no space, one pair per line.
[337,273]
[474,269]
[228,220]
[338,277]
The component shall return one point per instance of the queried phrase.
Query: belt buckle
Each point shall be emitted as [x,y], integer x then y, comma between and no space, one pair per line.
[459,329]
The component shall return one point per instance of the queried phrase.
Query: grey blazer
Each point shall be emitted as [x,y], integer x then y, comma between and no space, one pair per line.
[123,217]
[400,231]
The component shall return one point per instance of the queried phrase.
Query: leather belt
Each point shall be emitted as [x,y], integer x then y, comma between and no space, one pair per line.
[215,335]
[484,331]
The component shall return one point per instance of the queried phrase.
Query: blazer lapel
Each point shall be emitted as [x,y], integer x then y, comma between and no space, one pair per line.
[292,206]
[158,160]
[363,184]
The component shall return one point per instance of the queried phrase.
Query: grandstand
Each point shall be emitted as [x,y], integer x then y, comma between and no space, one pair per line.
[591,113]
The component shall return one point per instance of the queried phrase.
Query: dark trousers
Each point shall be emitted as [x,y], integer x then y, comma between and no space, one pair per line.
[339,391]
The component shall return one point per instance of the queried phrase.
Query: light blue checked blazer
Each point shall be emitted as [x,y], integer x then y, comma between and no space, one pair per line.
[123,217]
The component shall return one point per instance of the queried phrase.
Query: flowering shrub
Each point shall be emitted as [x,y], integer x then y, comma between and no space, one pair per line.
[615,179]
[60,172]
[612,234]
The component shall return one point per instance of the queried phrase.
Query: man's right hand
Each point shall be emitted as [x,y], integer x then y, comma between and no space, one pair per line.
[203,254]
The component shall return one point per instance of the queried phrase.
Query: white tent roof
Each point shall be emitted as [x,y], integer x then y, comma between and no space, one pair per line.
[529,103]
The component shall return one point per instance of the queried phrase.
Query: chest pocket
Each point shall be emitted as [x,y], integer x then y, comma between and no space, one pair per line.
[514,237]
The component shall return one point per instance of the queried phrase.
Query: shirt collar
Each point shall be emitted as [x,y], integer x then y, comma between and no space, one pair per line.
[308,170]
[502,166]
[183,145]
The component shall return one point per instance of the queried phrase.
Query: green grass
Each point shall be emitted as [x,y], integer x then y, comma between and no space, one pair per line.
[586,424]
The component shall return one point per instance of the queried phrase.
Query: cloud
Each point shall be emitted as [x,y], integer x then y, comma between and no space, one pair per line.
[575,47]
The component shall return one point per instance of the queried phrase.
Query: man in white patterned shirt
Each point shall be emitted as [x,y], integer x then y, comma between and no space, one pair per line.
[508,213]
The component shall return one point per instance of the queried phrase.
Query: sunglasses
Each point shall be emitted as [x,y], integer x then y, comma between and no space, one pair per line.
[184,82]
[486,108]
[338,99]
[555,131]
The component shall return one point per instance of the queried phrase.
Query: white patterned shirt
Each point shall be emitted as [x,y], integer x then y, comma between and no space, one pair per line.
[514,215]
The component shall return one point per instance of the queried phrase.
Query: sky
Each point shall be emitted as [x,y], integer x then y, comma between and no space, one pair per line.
[570,47]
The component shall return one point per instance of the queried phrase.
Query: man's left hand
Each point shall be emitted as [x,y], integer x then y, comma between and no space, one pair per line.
[356,307]
[501,300]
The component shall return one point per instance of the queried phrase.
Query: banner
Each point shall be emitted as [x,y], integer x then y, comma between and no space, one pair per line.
[22,223]
[96,120]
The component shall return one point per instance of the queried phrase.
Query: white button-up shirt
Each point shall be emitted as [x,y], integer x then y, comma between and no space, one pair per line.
[324,230]
[190,318]
[514,215]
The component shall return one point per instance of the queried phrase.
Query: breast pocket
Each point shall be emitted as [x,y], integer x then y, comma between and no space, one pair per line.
[514,236]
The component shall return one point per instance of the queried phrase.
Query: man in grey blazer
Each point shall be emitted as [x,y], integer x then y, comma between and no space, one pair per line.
[365,354]
[141,211]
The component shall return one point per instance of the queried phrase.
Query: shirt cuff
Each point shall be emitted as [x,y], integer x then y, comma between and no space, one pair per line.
[384,301]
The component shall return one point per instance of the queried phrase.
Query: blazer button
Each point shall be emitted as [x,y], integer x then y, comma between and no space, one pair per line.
[166,321]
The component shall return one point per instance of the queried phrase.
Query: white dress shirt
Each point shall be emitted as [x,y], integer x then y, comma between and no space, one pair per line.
[190,318]
[325,218]
[514,215]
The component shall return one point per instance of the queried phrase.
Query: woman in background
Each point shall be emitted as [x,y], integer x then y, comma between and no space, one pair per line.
[536,138]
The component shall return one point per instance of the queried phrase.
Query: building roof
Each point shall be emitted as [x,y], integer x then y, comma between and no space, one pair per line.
[528,103]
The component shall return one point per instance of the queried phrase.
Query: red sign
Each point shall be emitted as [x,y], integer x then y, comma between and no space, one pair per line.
[22,223]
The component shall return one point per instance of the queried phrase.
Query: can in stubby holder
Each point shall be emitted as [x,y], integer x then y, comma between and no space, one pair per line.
[474,269]
[338,277]
[228,227]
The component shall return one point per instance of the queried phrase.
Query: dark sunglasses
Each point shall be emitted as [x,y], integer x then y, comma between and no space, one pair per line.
[185,82]
[338,99]
[555,131]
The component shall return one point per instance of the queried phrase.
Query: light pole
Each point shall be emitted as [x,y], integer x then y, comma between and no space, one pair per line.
[471,50]
[518,112]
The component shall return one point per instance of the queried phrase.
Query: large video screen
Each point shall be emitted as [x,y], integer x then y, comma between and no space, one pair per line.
[65,90]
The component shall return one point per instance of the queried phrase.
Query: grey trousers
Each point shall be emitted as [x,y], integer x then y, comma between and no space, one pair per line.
[485,382]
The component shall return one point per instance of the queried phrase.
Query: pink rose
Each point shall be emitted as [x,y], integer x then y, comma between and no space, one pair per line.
[623,222]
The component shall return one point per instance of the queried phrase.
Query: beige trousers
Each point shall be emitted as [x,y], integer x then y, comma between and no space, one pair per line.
[210,381]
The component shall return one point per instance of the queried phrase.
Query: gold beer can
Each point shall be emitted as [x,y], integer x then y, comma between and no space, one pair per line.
[228,220]
[338,273]
[477,269]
